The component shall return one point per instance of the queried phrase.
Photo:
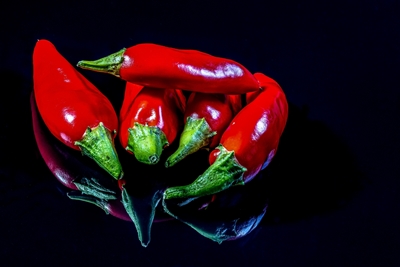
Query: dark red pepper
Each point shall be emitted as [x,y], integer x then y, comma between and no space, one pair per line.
[73,109]
[73,173]
[248,144]
[150,120]
[206,118]
[164,67]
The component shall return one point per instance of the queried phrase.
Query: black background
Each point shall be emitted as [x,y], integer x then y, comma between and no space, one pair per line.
[333,186]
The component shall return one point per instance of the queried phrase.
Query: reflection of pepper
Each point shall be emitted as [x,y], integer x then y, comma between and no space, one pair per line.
[72,172]
[163,67]
[219,229]
[230,215]
[74,110]
[247,145]
[151,121]
[206,118]
[141,203]
[113,207]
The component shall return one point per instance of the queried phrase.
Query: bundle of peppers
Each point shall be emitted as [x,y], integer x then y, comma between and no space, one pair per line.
[242,137]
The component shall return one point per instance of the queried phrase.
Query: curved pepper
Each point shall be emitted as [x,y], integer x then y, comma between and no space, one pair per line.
[206,118]
[149,121]
[73,109]
[164,67]
[248,144]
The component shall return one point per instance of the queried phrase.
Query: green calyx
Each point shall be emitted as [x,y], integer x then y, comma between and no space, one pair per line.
[93,188]
[110,64]
[224,173]
[97,144]
[146,143]
[196,134]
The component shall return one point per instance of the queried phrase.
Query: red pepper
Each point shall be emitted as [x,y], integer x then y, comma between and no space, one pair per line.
[73,109]
[164,67]
[131,91]
[72,173]
[264,82]
[150,120]
[248,144]
[206,118]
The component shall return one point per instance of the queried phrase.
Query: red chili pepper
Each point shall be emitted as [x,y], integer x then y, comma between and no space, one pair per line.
[236,102]
[249,143]
[131,91]
[150,120]
[73,109]
[206,118]
[264,82]
[72,173]
[164,67]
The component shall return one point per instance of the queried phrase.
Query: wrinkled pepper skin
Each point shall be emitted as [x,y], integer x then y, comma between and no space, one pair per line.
[150,120]
[73,109]
[72,172]
[159,66]
[247,145]
[206,118]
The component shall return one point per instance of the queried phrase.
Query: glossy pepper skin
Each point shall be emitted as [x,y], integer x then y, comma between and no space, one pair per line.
[73,109]
[206,118]
[164,67]
[73,173]
[150,120]
[248,144]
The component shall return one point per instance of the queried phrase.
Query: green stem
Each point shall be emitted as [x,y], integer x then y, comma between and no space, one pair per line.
[225,172]
[110,64]
[146,143]
[196,134]
[97,144]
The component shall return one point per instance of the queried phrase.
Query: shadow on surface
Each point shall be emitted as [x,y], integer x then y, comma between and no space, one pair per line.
[313,172]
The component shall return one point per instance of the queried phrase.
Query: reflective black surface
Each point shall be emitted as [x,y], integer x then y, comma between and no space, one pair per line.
[332,190]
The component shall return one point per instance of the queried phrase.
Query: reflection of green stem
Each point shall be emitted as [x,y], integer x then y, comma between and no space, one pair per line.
[76,195]
[218,230]
[110,64]
[142,212]
[97,144]
[93,188]
[195,135]
[225,172]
